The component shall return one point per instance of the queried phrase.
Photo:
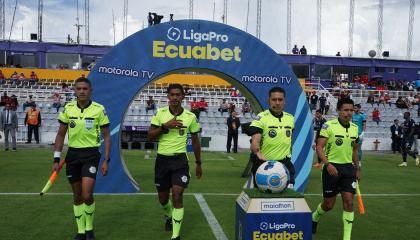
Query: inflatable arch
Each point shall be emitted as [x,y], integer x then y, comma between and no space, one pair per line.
[199,46]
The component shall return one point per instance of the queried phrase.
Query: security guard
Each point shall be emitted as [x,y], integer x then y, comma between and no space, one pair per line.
[339,137]
[84,120]
[272,134]
[33,120]
[170,127]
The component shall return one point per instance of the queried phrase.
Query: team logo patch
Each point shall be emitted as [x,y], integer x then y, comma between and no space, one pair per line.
[339,142]
[72,124]
[272,133]
[353,185]
[184,179]
[288,133]
[324,126]
[181,131]
[92,170]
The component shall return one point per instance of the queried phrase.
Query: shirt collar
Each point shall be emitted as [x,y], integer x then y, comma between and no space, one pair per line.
[182,111]
[342,124]
[276,116]
[90,102]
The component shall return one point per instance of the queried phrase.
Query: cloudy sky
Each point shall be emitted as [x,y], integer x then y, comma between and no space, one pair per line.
[60,18]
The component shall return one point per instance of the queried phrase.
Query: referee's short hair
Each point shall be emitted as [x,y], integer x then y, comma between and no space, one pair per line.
[343,101]
[276,89]
[83,79]
[175,86]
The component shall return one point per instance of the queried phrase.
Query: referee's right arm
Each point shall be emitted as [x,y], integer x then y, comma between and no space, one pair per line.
[59,141]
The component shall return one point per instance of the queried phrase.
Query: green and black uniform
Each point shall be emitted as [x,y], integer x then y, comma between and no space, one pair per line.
[339,152]
[171,167]
[276,140]
[84,138]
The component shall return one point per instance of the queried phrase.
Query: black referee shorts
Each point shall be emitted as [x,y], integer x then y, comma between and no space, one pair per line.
[82,162]
[344,182]
[287,163]
[171,170]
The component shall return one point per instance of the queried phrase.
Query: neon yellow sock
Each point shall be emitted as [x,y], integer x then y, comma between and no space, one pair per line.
[348,218]
[316,215]
[79,214]
[177,216]
[168,209]
[89,215]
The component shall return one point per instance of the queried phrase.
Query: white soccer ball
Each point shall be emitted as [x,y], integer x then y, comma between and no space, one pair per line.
[272,177]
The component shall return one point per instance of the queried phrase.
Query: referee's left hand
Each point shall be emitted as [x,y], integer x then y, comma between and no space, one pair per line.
[104,168]
[198,171]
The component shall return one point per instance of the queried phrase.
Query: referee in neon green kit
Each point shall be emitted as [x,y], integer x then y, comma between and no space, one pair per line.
[170,127]
[340,138]
[84,120]
[272,134]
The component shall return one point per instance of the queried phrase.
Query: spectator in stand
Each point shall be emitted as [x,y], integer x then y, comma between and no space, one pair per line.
[13,102]
[21,80]
[295,50]
[411,99]
[322,101]
[376,116]
[303,50]
[150,104]
[56,101]
[2,79]
[327,104]
[396,132]
[233,92]
[370,99]
[345,94]
[400,103]
[224,107]
[338,54]
[408,102]
[14,78]
[313,101]
[232,107]
[33,120]
[203,105]
[233,127]
[29,103]
[33,78]
[246,107]
[195,108]
[67,92]
[4,99]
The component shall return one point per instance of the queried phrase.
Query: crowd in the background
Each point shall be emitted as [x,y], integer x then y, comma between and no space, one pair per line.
[19,79]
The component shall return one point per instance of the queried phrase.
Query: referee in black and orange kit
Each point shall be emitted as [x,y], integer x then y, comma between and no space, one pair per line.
[84,120]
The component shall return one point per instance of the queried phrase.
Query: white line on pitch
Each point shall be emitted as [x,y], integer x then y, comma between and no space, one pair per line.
[211,219]
[218,159]
[230,158]
[208,194]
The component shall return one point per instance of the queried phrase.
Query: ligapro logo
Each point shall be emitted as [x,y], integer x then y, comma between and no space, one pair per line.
[175,34]
[276,226]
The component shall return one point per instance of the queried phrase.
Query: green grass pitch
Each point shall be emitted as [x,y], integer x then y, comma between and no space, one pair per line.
[25,216]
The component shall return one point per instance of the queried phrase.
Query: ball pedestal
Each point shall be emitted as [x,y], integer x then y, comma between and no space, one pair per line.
[262,216]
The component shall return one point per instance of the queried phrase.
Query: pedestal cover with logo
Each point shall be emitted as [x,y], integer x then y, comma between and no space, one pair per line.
[261,216]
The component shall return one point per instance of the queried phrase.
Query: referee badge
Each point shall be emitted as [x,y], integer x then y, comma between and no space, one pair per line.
[72,124]
[272,133]
[288,133]
[181,132]
[339,142]
[89,123]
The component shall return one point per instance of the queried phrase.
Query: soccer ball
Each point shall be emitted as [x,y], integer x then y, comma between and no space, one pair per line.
[272,177]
